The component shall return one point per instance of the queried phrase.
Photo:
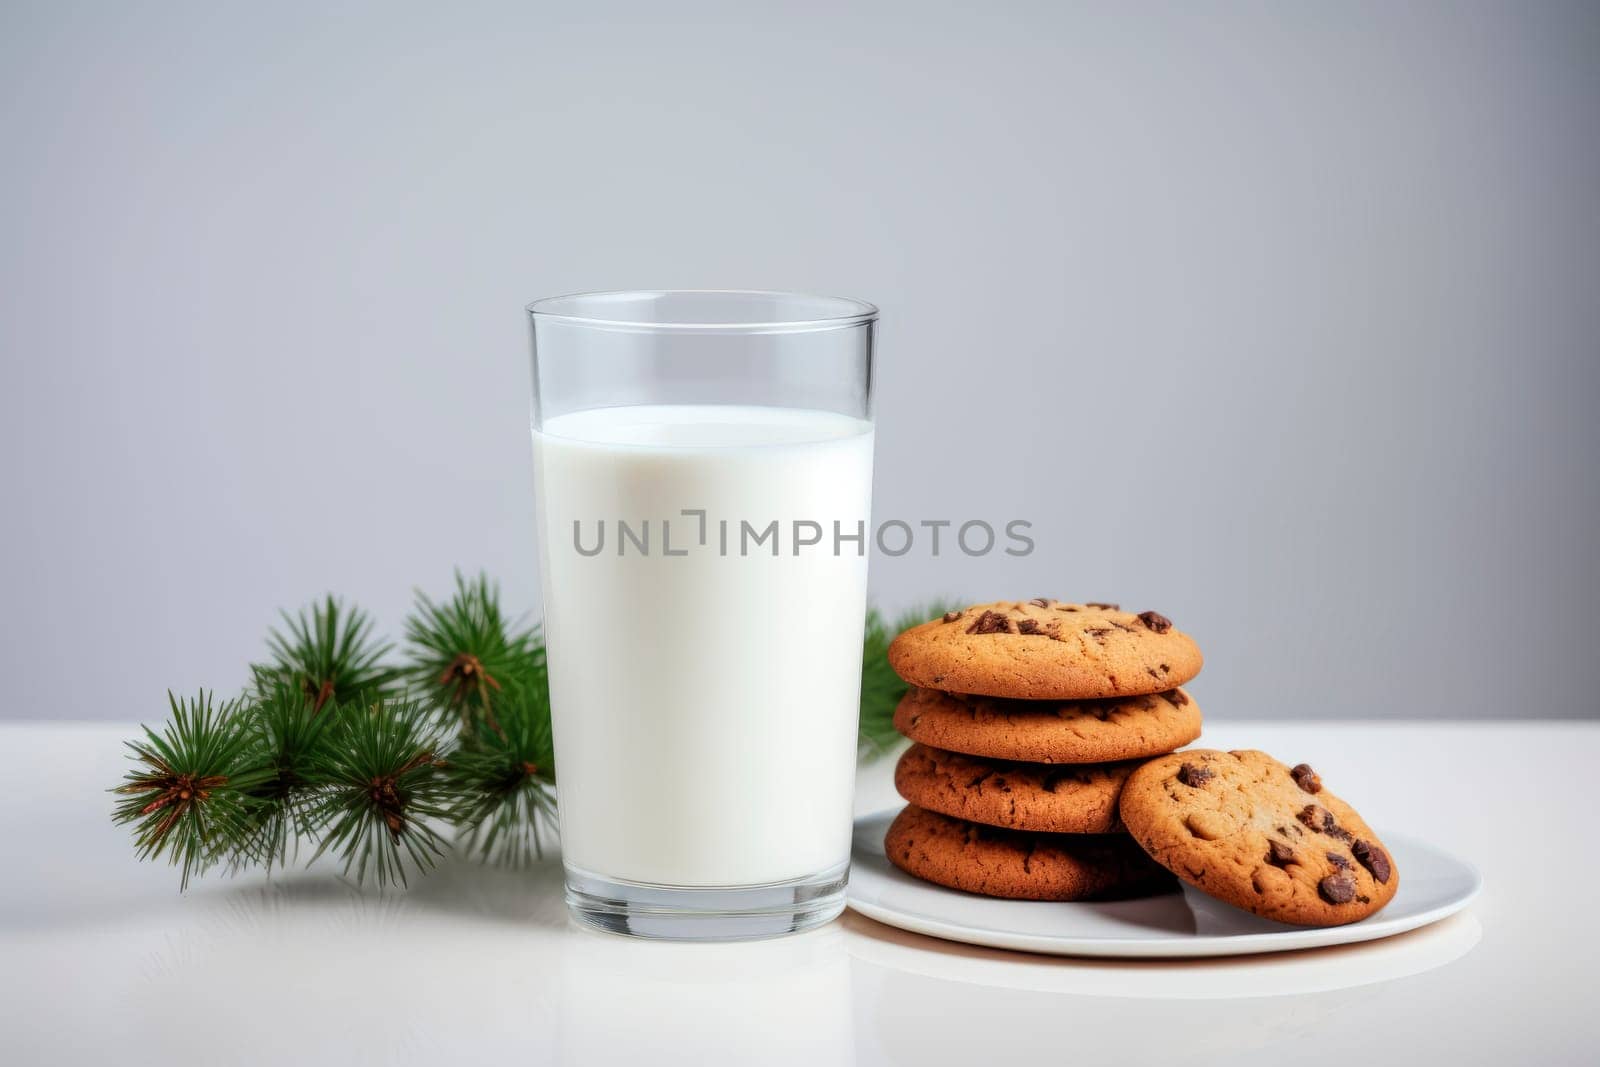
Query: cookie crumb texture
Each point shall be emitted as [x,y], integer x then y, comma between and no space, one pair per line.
[994,862]
[1247,830]
[1063,799]
[1050,732]
[1046,649]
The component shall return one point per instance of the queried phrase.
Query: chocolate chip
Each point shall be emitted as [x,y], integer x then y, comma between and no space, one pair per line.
[1322,821]
[1097,632]
[1040,601]
[1102,607]
[1195,775]
[1311,816]
[1178,698]
[1156,621]
[1306,778]
[951,616]
[991,622]
[1033,626]
[1279,854]
[1339,861]
[1337,889]
[1373,859]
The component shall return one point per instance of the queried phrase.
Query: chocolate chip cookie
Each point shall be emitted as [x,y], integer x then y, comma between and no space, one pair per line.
[1046,650]
[1259,835]
[1010,863]
[1050,732]
[1063,799]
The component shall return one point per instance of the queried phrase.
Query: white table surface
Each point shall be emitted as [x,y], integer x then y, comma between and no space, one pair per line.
[103,961]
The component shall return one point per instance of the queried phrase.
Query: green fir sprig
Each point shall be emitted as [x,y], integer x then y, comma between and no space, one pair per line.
[381,763]
[191,799]
[505,779]
[382,789]
[329,653]
[464,652]
[292,739]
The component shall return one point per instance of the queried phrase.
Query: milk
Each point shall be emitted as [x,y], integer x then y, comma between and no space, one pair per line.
[705,701]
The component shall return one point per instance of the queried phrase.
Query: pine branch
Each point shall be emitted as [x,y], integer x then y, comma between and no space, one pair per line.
[323,747]
[505,780]
[328,653]
[192,801]
[881,688]
[464,653]
[381,784]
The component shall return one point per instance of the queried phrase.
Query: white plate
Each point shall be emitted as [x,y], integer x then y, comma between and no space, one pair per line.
[1433,885]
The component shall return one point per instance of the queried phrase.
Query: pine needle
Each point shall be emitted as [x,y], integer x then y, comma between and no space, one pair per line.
[292,738]
[380,789]
[464,652]
[505,781]
[328,653]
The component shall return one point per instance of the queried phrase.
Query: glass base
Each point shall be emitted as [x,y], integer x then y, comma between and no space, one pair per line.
[713,913]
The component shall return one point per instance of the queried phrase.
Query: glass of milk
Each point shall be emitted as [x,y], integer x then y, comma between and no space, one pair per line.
[703,464]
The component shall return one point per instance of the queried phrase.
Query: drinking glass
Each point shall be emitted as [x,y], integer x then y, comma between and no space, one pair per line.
[703,470]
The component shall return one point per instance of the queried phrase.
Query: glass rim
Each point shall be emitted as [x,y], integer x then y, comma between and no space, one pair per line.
[560,309]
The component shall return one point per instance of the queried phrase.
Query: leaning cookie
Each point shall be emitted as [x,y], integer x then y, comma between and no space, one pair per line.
[1022,866]
[1250,831]
[1062,799]
[1046,650]
[1038,731]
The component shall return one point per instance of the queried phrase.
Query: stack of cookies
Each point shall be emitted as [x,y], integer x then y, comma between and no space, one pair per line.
[1043,768]
[1028,719]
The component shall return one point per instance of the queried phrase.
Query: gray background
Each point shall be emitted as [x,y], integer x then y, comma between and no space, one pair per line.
[1283,319]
